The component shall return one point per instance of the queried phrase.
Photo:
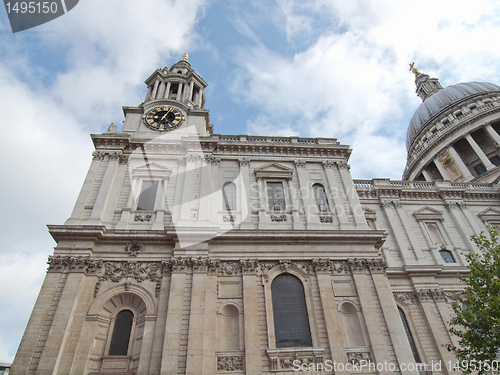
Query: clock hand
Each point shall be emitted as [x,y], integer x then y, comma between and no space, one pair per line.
[165,115]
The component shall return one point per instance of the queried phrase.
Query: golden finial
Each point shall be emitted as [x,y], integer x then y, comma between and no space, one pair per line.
[413,69]
[185,57]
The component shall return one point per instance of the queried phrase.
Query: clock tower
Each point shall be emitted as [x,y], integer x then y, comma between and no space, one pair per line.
[174,100]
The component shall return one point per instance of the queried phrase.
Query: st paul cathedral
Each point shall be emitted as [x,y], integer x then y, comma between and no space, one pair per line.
[192,252]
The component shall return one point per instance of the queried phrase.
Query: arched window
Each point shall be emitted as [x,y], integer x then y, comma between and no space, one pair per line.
[409,336]
[121,333]
[291,321]
[320,197]
[447,256]
[229,196]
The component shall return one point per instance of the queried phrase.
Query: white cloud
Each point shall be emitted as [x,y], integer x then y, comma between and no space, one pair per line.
[353,83]
[106,49]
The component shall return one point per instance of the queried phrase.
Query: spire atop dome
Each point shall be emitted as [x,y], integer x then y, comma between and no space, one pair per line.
[185,57]
[426,86]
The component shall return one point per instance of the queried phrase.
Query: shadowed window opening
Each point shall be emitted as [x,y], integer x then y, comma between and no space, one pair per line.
[291,321]
[121,333]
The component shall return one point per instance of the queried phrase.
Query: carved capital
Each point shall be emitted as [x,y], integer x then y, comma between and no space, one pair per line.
[86,265]
[406,297]
[98,154]
[249,266]
[244,162]
[373,265]
[322,265]
[300,163]
[342,164]
[328,164]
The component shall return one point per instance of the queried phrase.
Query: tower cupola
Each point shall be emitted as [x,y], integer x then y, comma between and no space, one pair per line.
[180,83]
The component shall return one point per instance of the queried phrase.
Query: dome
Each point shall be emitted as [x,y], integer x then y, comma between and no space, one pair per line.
[442,100]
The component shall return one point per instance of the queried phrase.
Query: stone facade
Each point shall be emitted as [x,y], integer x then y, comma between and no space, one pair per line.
[189,232]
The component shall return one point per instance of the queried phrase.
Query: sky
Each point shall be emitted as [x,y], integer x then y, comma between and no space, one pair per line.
[312,68]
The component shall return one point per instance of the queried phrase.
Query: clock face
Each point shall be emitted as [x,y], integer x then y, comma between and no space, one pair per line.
[163,118]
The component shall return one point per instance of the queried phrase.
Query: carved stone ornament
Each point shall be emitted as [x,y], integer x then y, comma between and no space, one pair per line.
[229,268]
[244,162]
[142,218]
[286,359]
[98,154]
[134,248]
[455,204]
[326,219]
[426,295]
[86,265]
[342,164]
[278,218]
[229,218]
[328,164]
[356,357]
[373,265]
[230,363]
[406,297]
[139,271]
[288,363]
[249,266]
[301,163]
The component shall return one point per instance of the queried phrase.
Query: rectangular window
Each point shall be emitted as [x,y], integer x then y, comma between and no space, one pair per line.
[147,198]
[275,196]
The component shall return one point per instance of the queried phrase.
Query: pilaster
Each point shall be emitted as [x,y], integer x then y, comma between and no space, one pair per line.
[253,360]
[338,208]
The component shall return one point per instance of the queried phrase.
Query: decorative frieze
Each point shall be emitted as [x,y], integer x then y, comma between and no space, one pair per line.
[278,218]
[87,265]
[406,297]
[426,295]
[373,265]
[356,358]
[249,266]
[230,363]
[286,359]
[139,271]
[143,218]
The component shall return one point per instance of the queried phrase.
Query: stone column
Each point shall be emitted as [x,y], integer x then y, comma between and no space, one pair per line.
[147,345]
[333,320]
[155,89]
[427,175]
[380,347]
[407,257]
[458,160]
[209,362]
[167,90]
[173,327]
[464,228]
[105,191]
[492,134]
[352,195]
[59,333]
[392,319]
[409,230]
[196,336]
[245,194]
[161,321]
[484,159]
[253,356]
[436,325]
[161,90]
[206,188]
[306,192]
[187,192]
[179,190]
[441,168]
